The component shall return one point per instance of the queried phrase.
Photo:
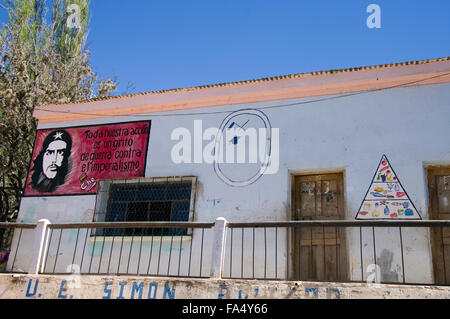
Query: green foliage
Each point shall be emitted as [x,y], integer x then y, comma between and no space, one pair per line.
[42,61]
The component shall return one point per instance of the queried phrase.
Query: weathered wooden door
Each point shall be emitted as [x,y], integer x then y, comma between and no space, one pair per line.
[439,192]
[318,252]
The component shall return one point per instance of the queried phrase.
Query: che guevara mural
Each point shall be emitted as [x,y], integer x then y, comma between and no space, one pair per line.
[71,161]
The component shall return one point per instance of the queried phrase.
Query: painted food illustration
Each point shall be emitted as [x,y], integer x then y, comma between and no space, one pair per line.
[386,198]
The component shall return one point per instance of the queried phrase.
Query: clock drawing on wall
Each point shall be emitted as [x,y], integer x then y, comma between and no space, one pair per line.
[243,145]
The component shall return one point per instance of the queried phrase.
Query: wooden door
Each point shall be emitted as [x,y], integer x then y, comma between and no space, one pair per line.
[439,192]
[319,252]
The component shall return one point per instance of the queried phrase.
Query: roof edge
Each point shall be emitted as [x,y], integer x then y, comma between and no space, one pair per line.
[259,80]
[313,84]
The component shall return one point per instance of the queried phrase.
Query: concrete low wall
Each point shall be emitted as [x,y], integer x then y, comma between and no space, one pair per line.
[118,287]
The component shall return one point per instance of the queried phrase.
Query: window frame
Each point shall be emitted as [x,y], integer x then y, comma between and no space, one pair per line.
[104,192]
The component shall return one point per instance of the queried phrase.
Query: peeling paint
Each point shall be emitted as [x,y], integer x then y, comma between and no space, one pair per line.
[110,287]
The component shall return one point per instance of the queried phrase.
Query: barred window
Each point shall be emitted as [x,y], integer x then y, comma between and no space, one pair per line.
[154,199]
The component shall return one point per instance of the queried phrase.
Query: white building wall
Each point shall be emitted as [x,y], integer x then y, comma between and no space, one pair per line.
[339,133]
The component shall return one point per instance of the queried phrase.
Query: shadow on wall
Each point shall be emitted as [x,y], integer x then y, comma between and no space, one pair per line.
[385,263]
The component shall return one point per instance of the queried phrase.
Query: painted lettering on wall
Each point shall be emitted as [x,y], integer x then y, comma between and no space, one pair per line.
[264,291]
[111,290]
[145,289]
[73,160]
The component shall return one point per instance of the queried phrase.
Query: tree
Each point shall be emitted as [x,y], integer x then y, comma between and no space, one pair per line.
[40,63]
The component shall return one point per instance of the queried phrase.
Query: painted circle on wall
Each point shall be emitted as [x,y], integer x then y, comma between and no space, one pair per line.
[243,174]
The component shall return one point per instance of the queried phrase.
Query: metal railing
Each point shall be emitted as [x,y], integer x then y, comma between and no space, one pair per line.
[129,248]
[336,251]
[319,251]
[10,244]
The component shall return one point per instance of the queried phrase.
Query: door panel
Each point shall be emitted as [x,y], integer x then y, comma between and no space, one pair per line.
[439,192]
[319,252]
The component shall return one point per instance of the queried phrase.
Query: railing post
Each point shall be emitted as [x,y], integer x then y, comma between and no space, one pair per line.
[39,247]
[218,254]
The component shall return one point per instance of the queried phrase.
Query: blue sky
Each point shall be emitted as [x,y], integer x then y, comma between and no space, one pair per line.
[155,45]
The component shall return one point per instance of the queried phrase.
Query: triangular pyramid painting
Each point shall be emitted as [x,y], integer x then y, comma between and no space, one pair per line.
[386,198]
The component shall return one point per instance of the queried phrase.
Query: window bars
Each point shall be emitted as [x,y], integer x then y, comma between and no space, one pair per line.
[168,199]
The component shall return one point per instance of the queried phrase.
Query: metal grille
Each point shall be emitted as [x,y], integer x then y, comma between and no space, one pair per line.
[91,253]
[167,201]
[382,251]
[258,251]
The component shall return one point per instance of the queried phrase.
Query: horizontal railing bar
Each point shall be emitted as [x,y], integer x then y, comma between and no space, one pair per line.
[147,201]
[342,223]
[121,274]
[133,225]
[289,224]
[303,223]
[17,225]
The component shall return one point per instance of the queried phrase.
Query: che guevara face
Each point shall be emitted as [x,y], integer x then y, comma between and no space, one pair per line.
[53,158]
[53,163]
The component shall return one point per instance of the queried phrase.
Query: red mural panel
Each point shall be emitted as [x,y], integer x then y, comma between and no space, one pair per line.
[71,161]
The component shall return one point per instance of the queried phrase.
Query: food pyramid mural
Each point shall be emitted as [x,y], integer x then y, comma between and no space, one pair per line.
[386,198]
